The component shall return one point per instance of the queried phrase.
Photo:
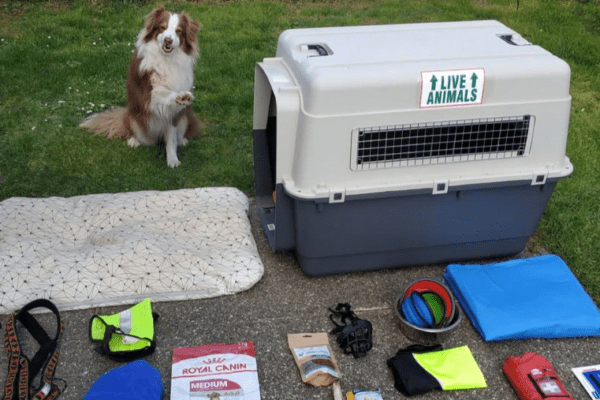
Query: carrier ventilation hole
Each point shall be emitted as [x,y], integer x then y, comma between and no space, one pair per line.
[442,142]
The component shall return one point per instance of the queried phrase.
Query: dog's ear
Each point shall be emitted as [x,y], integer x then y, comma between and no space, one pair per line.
[192,27]
[190,30]
[152,21]
[154,16]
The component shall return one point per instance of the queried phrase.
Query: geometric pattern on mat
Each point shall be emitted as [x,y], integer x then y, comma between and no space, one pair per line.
[112,249]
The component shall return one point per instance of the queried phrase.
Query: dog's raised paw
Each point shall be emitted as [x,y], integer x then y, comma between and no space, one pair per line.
[184,99]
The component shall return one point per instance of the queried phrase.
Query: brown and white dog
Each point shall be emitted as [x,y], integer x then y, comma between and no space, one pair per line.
[159,85]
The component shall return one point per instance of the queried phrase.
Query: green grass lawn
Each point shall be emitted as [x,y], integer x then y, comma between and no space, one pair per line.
[61,60]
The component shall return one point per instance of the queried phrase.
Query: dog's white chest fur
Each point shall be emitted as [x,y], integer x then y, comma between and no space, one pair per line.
[175,72]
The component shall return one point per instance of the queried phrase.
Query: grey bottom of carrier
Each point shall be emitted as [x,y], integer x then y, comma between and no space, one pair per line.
[398,229]
[410,257]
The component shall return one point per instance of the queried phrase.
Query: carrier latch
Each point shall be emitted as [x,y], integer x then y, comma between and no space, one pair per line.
[337,195]
[440,186]
[539,178]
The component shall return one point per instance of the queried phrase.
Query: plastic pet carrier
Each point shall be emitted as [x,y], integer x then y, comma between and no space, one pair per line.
[397,145]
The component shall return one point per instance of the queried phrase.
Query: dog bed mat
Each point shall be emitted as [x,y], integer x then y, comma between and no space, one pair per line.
[113,249]
[537,297]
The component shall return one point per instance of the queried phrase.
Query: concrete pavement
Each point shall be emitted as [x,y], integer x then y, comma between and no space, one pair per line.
[287,301]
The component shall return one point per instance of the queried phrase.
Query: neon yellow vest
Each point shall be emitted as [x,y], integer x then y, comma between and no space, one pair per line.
[128,334]
[419,369]
[453,368]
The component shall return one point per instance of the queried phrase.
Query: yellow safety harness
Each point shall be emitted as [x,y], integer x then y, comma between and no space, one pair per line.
[126,335]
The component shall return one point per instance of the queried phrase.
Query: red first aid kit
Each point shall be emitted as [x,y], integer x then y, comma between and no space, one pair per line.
[534,378]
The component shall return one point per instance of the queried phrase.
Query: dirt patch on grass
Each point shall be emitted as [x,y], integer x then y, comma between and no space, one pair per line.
[10,17]
[56,6]
[12,13]
[204,124]
[8,29]
[534,247]
[336,5]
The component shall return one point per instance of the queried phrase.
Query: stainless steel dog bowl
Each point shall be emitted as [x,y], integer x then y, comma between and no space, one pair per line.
[426,336]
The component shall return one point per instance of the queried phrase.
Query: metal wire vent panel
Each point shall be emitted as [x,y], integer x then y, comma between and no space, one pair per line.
[441,142]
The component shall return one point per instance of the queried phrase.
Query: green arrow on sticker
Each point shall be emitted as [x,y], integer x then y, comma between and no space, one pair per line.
[433,82]
[473,79]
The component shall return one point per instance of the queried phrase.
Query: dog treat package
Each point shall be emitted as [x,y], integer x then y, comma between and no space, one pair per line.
[215,371]
[374,394]
[314,358]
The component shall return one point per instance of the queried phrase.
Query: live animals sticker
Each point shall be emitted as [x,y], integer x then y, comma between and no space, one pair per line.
[452,88]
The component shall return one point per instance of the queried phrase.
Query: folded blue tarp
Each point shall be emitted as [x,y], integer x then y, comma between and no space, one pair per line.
[537,297]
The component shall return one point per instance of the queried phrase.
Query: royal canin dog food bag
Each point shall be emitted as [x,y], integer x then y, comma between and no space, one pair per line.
[215,371]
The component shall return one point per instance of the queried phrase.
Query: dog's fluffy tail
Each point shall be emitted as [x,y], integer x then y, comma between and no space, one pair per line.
[110,123]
